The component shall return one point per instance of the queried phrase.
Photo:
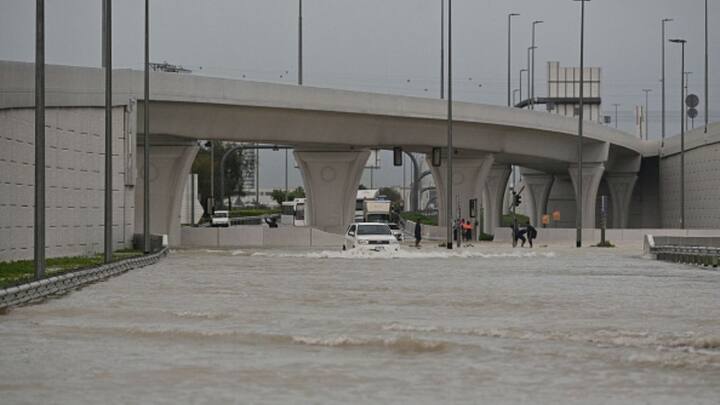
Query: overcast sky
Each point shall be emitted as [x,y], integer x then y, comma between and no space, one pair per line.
[388,46]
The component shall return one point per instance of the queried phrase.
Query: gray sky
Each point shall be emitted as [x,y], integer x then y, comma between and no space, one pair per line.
[388,46]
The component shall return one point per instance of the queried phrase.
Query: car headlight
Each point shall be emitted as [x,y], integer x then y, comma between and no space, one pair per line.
[363,242]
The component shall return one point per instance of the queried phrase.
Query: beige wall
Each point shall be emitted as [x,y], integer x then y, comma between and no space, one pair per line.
[75,181]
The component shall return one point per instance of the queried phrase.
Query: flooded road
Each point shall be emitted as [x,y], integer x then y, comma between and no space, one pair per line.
[488,325]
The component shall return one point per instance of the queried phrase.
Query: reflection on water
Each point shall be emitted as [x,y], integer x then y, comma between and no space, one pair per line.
[418,326]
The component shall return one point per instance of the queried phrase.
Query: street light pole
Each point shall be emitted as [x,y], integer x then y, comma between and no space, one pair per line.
[686,78]
[682,42]
[578,193]
[449,200]
[509,67]
[707,74]
[662,42]
[532,94]
[107,46]
[647,113]
[300,43]
[521,83]
[442,49]
[616,109]
[146,139]
[529,79]
[39,211]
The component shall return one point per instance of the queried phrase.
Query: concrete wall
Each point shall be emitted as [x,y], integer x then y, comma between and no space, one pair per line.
[75,155]
[249,236]
[702,180]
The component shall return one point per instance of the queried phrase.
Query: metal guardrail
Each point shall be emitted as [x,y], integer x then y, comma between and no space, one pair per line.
[37,290]
[696,255]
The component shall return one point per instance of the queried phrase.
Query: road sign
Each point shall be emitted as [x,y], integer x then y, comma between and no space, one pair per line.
[692,101]
[692,113]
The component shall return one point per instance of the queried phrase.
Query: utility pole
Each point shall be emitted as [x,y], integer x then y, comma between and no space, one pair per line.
[39,210]
[647,113]
[146,139]
[578,193]
[509,67]
[107,64]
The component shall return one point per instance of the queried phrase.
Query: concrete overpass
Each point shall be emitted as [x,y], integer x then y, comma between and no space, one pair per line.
[333,131]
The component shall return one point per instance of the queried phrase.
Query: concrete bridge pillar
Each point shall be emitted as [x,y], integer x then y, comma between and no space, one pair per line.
[331,180]
[621,187]
[538,186]
[170,164]
[469,178]
[494,196]
[592,175]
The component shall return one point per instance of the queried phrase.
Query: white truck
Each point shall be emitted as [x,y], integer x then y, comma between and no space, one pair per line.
[221,218]
[376,211]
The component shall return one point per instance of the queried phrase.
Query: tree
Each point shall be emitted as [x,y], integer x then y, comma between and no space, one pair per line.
[235,166]
[391,194]
[362,187]
[279,196]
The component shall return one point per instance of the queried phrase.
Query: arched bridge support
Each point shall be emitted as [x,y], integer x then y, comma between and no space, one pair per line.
[469,178]
[494,194]
[621,187]
[538,189]
[331,179]
[170,162]
[592,175]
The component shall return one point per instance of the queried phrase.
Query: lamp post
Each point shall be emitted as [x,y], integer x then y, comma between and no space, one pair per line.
[707,74]
[39,210]
[300,43]
[647,112]
[662,42]
[682,42]
[107,64]
[449,201]
[578,197]
[146,138]
[521,83]
[442,49]
[686,78]
[529,79]
[532,73]
[509,67]
[616,111]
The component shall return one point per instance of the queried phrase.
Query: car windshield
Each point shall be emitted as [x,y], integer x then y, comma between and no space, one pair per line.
[374,230]
[221,215]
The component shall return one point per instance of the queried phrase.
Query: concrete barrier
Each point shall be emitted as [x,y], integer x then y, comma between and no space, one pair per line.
[251,236]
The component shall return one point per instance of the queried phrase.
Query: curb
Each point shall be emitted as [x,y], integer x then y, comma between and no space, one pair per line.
[36,290]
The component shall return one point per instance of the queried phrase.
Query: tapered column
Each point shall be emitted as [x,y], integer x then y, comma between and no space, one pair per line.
[331,180]
[469,178]
[494,194]
[538,186]
[592,175]
[622,186]
[170,165]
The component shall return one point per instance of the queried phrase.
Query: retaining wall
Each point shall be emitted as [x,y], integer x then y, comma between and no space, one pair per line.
[249,236]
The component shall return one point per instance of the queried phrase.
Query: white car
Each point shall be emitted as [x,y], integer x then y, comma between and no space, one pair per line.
[370,236]
[221,218]
[396,231]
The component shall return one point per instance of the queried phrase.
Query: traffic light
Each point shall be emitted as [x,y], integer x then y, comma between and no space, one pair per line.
[397,156]
[517,200]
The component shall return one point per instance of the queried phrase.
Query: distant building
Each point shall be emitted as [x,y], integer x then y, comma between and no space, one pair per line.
[248,200]
[563,92]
